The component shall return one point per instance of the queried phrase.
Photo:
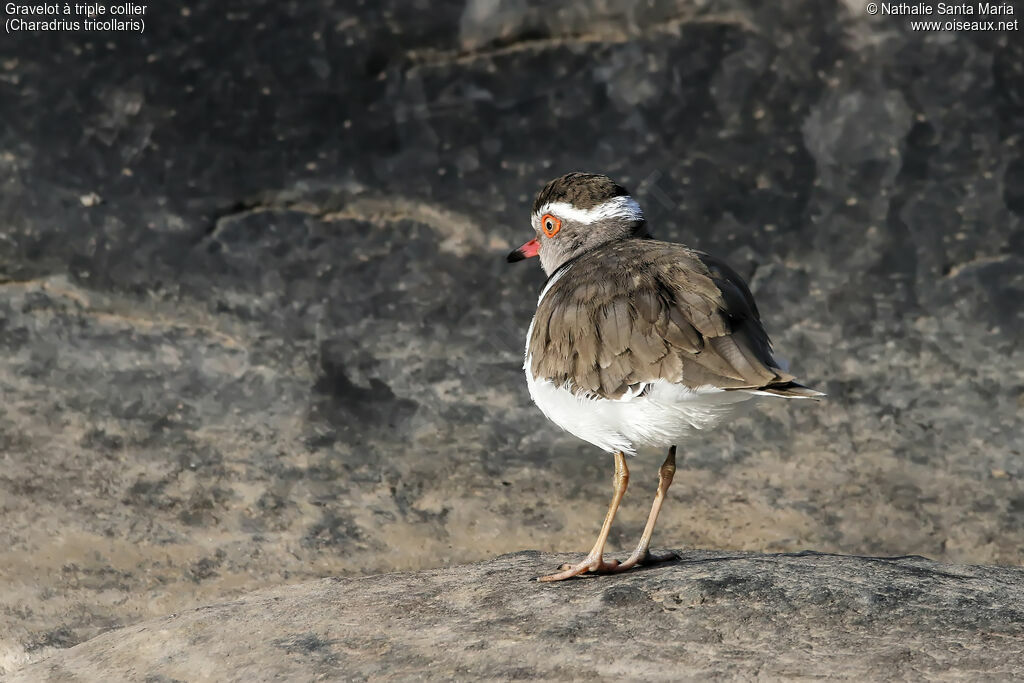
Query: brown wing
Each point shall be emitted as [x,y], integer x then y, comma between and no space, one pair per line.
[642,310]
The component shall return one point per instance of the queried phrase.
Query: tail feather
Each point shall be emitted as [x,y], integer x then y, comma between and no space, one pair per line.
[789,389]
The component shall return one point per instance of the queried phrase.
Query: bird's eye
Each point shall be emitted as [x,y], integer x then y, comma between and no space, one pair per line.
[550,224]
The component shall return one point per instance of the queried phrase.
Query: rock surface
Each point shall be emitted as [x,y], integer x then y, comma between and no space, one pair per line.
[709,616]
[256,326]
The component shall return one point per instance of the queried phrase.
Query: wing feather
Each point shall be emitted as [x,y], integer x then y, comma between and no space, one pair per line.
[639,311]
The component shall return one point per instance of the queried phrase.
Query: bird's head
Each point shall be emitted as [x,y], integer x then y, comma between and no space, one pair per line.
[576,213]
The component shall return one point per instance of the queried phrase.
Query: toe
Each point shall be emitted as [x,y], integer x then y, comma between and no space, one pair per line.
[655,558]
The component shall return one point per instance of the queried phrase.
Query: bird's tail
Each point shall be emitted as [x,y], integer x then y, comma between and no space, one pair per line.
[789,389]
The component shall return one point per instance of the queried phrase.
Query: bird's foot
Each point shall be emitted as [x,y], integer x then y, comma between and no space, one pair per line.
[594,564]
[602,566]
[645,558]
[657,558]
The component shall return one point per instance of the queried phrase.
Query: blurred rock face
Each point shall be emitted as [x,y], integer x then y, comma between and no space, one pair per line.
[257,324]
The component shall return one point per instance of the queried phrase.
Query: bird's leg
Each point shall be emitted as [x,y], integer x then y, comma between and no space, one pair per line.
[595,560]
[642,554]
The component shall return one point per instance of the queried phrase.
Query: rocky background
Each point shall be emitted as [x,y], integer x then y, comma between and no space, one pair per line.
[257,327]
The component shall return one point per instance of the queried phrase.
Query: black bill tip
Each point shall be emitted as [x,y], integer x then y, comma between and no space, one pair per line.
[516,255]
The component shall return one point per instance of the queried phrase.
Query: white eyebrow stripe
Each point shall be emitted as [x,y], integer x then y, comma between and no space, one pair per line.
[616,207]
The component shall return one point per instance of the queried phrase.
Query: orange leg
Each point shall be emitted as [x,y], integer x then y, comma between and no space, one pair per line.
[642,554]
[595,560]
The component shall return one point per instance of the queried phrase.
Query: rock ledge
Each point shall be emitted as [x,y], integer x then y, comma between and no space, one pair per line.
[722,614]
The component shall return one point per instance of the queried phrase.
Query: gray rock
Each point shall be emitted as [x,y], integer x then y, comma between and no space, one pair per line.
[709,616]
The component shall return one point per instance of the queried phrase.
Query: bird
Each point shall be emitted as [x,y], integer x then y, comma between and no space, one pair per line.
[636,342]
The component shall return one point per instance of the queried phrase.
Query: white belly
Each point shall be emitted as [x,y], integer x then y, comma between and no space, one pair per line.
[662,417]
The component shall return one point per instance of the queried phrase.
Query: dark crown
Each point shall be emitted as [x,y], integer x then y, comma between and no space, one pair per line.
[581,190]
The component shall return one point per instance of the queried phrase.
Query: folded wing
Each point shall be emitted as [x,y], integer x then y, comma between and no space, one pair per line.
[639,311]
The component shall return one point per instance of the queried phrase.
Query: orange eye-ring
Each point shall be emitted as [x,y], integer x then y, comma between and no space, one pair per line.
[550,225]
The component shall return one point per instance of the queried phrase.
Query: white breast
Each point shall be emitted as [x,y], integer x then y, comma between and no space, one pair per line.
[661,416]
